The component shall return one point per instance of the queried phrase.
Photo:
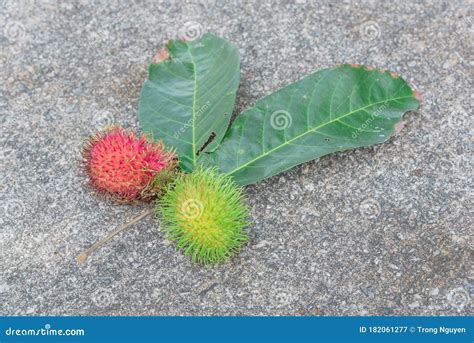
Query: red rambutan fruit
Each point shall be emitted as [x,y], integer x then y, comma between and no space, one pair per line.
[126,166]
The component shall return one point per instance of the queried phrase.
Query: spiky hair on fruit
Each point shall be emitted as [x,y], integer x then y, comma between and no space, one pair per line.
[205,214]
[127,167]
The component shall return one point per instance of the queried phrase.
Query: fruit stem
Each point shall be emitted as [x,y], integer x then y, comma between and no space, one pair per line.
[82,257]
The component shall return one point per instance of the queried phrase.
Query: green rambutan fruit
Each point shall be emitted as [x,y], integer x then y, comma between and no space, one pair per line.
[205,214]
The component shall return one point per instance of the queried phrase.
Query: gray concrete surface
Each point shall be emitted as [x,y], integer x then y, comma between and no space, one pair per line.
[385,230]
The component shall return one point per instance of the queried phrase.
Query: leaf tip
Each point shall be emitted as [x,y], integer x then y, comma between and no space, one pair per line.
[398,127]
[160,56]
[418,96]
[354,65]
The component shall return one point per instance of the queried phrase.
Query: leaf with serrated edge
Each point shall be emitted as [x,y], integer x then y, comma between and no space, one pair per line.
[335,109]
[189,96]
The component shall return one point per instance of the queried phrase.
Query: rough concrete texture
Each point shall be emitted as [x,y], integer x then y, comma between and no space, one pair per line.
[385,230]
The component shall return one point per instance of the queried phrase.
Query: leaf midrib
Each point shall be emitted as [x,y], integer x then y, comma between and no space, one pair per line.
[193,108]
[312,130]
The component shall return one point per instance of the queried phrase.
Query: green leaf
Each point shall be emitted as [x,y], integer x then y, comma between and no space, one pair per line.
[331,110]
[188,98]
